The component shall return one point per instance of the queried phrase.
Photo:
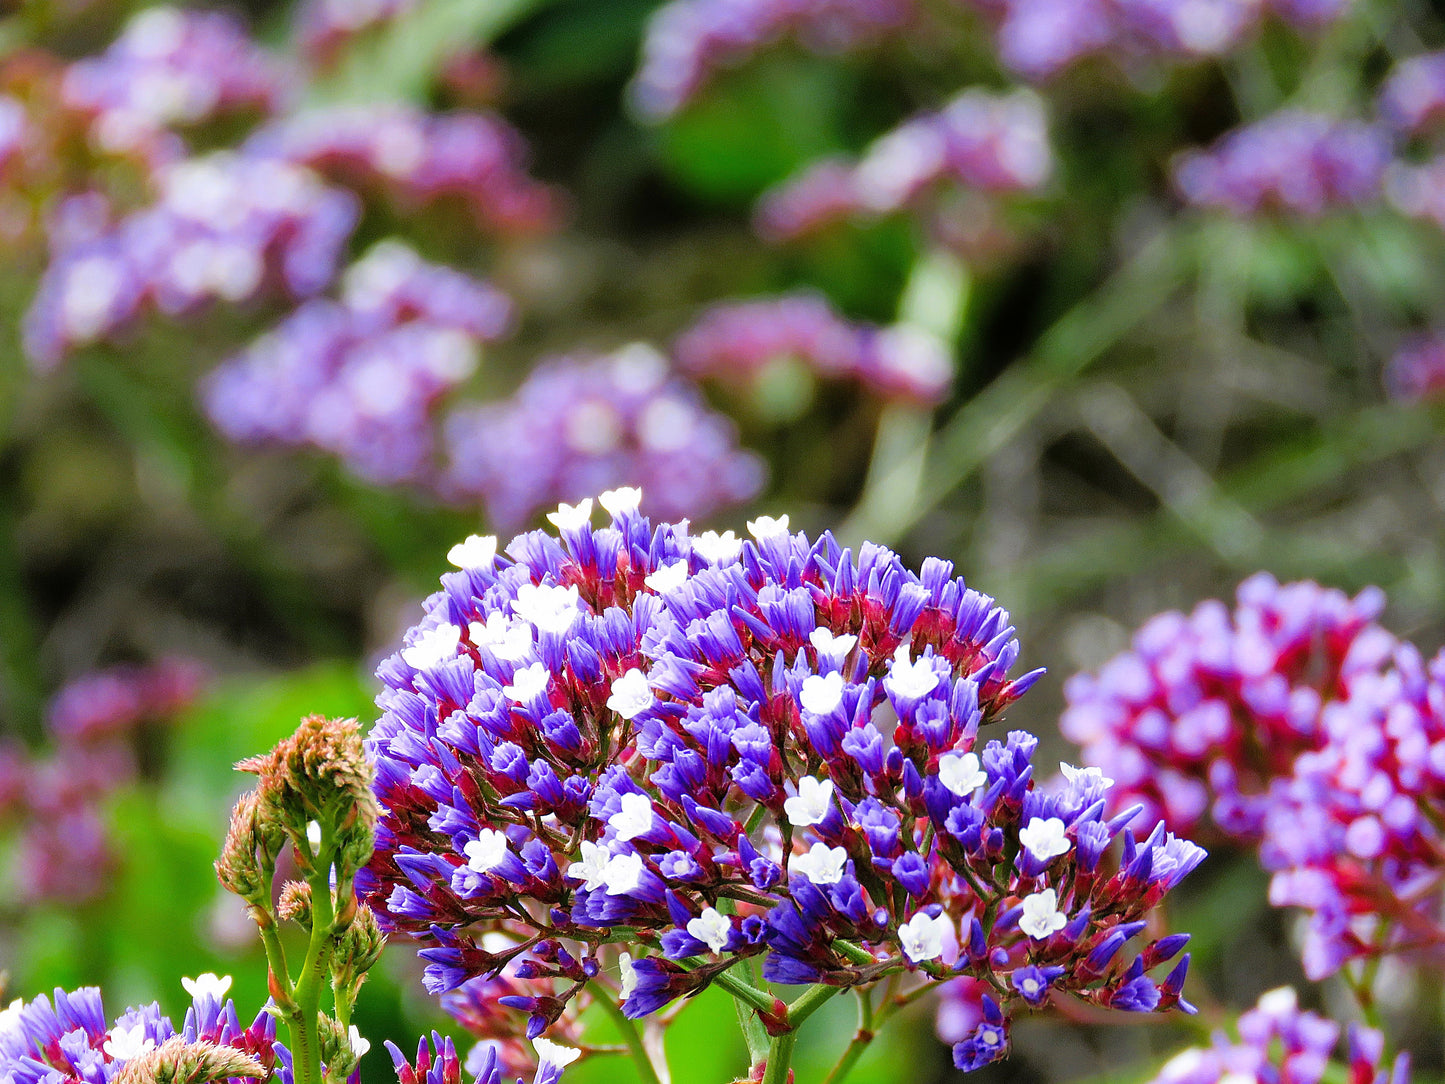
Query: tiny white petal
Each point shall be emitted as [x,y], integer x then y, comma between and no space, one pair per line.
[922,937]
[622,499]
[359,1046]
[623,874]
[487,851]
[1045,838]
[432,647]
[527,683]
[831,646]
[766,527]
[551,609]
[910,680]
[667,577]
[1085,775]
[821,693]
[127,1043]
[627,970]
[717,549]
[550,1053]
[633,819]
[712,928]
[592,869]
[1041,917]
[571,517]
[812,802]
[477,551]
[208,983]
[823,865]
[630,695]
[960,773]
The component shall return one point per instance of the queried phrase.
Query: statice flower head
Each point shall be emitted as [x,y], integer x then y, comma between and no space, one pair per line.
[171,68]
[1417,370]
[364,377]
[416,159]
[1219,702]
[689,41]
[112,702]
[324,27]
[1280,1041]
[706,748]
[739,341]
[1292,162]
[582,424]
[437,1063]
[67,1040]
[1354,835]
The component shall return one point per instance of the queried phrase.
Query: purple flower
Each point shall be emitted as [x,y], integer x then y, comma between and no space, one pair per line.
[1413,98]
[105,703]
[323,27]
[1417,369]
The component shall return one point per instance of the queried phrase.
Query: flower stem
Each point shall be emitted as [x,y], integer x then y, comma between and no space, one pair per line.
[861,1039]
[306,1031]
[744,991]
[647,1072]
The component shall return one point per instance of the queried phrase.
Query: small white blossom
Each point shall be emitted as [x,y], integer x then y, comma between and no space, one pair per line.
[630,694]
[313,836]
[823,865]
[1279,1001]
[433,647]
[812,802]
[667,577]
[551,609]
[359,1046]
[527,683]
[821,693]
[830,646]
[628,972]
[717,549]
[592,869]
[487,851]
[960,773]
[922,936]
[554,1054]
[10,1018]
[712,928]
[623,874]
[126,1043]
[620,500]
[766,527]
[510,641]
[1045,838]
[571,517]
[633,819]
[1085,776]
[208,983]
[1042,917]
[910,680]
[476,551]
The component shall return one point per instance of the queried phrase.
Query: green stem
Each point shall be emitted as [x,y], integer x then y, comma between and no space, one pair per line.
[749,1023]
[646,1070]
[810,1003]
[743,991]
[861,1039]
[315,969]
[780,1059]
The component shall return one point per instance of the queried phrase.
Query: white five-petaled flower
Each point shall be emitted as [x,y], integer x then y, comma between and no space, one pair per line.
[766,526]
[812,802]
[1042,918]
[633,819]
[1086,776]
[208,983]
[527,683]
[821,864]
[1045,838]
[571,517]
[487,851]
[619,500]
[630,694]
[717,549]
[592,869]
[551,609]
[434,646]
[821,693]
[476,551]
[960,773]
[623,874]
[921,937]
[508,640]
[126,1043]
[555,1054]
[832,647]
[359,1046]
[628,972]
[712,928]
[667,577]
[908,679]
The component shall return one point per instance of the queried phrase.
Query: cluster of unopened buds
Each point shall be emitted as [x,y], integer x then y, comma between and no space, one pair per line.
[634,761]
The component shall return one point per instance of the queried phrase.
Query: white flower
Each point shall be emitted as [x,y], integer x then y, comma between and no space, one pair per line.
[623,874]
[667,577]
[909,680]
[10,1018]
[960,773]
[477,551]
[830,646]
[571,517]
[823,865]
[766,526]
[712,928]
[811,805]
[510,641]
[592,869]
[717,549]
[1045,838]
[551,609]
[313,836]
[820,694]
[359,1046]
[487,851]
[630,695]
[627,970]
[1042,917]
[126,1043]
[433,647]
[208,983]
[527,683]
[1084,777]
[1279,1001]
[620,500]
[634,819]
[554,1054]
[922,936]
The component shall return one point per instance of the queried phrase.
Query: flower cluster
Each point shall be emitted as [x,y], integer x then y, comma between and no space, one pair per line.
[1223,701]
[323,27]
[437,1063]
[225,227]
[1417,370]
[579,425]
[1294,162]
[68,1041]
[362,377]
[1279,1041]
[689,41]
[108,703]
[1412,100]
[683,744]
[415,159]
[739,341]
[994,143]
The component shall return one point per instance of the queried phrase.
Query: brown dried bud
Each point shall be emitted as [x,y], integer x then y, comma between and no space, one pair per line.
[295,902]
[179,1062]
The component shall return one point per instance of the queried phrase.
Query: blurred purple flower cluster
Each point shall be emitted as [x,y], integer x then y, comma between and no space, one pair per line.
[324,26]
[1417,370]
